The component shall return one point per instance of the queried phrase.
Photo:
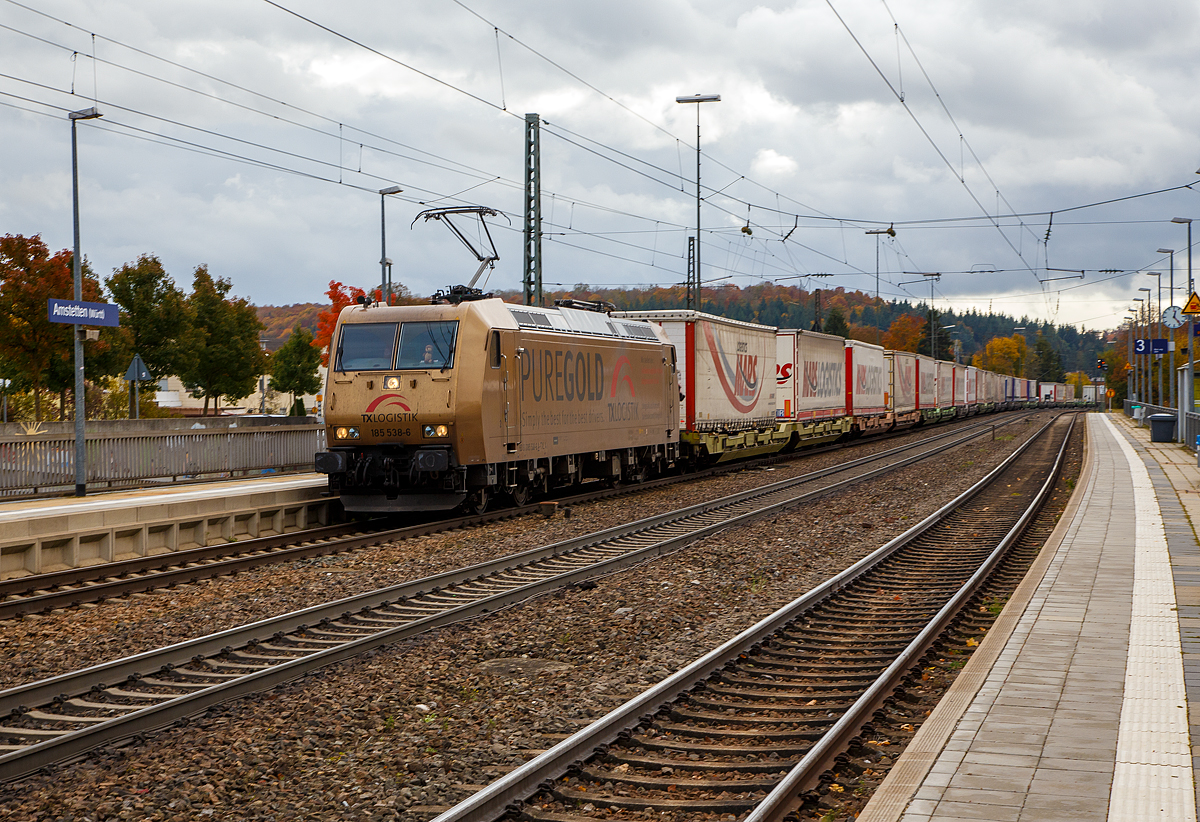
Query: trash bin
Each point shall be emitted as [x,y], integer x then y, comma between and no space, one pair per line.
[1162,427]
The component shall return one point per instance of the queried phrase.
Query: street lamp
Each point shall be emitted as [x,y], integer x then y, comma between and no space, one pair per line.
[698,98]
[385,280]
[1158,334]
[1131,374]
[80,398]
[1188,400]
[1137,369]
[1148,381]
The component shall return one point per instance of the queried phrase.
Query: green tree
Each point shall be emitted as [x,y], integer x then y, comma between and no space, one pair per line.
[155,321]
[1046,364]
[836,323]
[227,358]
[945,347]
[294,368]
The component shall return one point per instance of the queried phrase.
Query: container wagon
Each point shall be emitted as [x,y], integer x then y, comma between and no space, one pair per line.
[726,373]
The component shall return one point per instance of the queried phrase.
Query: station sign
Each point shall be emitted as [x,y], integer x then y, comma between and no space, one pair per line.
[1151,346]
[81,313]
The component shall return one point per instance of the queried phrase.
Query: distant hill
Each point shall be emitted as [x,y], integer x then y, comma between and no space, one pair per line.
[781,306]
[281,319]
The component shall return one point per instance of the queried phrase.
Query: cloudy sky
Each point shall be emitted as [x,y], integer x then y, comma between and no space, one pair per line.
[1003,141]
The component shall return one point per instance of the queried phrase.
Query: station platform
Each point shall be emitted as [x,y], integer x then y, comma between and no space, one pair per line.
[37,536]
[1076,706]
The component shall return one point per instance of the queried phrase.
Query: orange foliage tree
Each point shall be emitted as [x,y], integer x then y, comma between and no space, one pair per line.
[341,297]
[1004,355]
[905,333]
[35,351]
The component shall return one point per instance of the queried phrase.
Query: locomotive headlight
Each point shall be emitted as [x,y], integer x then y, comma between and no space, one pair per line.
[344,433]
[437,431]
[391,383]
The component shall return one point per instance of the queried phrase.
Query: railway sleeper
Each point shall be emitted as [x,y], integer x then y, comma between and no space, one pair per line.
[715,805]
[681,731]
[760,717]
[652,763]
[790,705]
[663,783]
[713,751]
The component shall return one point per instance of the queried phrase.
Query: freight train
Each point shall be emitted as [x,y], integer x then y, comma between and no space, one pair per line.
[471,399]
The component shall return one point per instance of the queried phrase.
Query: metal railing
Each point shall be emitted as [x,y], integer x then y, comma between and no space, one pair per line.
[45,463]
[1186,433]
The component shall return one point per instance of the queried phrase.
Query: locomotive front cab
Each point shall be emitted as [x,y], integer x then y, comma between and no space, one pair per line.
[391,426]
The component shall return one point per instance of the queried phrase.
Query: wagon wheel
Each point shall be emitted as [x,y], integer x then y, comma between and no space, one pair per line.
[478,502]
[640,473]
[521,494]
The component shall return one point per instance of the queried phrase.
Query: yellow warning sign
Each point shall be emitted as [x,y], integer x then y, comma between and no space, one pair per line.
[1193,304]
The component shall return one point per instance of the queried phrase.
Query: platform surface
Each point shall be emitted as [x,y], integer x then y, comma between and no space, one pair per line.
[167,493]
[1076,705]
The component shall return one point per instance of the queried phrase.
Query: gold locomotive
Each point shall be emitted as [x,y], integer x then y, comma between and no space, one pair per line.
[435,406]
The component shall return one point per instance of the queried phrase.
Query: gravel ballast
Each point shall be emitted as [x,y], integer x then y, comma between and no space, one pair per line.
[405,731]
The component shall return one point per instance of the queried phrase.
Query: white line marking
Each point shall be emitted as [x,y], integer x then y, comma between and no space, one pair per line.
[1153,777]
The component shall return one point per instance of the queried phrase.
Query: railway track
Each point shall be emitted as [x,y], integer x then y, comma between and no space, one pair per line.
[65,716]
[70,588]
[750,727]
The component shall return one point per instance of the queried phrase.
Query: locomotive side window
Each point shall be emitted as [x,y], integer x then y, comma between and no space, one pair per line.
[495,352]
[427,345]
[366,347]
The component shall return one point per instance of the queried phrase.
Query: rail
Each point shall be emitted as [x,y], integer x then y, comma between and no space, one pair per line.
[45,463]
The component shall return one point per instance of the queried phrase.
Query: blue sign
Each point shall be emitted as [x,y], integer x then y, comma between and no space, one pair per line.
[1196,329]
[70,311]
[1158,347]
[1141,346]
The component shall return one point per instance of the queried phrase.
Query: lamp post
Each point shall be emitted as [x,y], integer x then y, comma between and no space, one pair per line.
[384,272]
[1171,345]
[1188,400]
[80,398]
[1131,374]
[1148,377]
[1158,334]
[698,98]
[957,343]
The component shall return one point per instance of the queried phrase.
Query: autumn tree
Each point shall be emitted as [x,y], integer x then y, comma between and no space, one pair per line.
[1005,355]
[227,358]
[341,296]
[37,352]
[294,368]
[905,333]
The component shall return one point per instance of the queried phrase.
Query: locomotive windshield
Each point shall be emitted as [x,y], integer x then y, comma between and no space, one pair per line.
[427,345]
[366,347]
